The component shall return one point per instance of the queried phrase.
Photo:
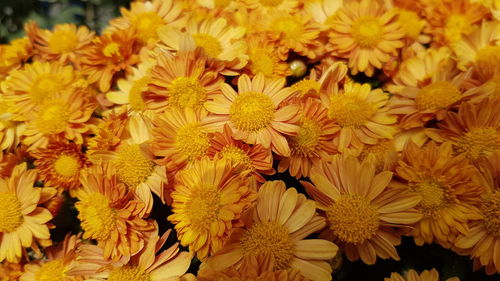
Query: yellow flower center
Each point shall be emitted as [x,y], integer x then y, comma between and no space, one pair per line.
[237,156]
[262,61]
[192,140]
[434,196]
[456,25]
[269,238]
[488,60]
[44,86]
[437,95]
[350,111]
[63,41]
[67,165]
[51,271]
[186,92]
[97,218]
[478,142]
[135,95]
[367,31]
[352,219]
[10,213]
[111,49]
[128,273]
[252,111]
[412,24]
[212,46]
[307,140]
[270,3]
[203,207]
[305,86]
[133,166]
[490,208]
[291,27]
[147,24]
[53,118]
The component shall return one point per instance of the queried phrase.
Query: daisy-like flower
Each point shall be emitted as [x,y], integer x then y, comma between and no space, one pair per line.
[109,213]
[361,115]
[60,163]
[365,34]
[62,116]
[146,17]
[108,55]
[313,142]
[184,80]
[108,133]
[256,158]
[13,55]
[412,275]
[447,187]
[60,264]
[64,43]
[483,239]
[360,210]
[22,220]
[208,201]
[10,130]
[262,57]
[219,40]
[150,264]
[255,113]
[281,219]
[474,130]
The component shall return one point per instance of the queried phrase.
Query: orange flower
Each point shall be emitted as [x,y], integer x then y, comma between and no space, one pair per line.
[21,218]
[108,133]
[262,57]
[366,34]
[412,275]
[361,212]
[255,113]
[13,55]
[281,219]
[208,201]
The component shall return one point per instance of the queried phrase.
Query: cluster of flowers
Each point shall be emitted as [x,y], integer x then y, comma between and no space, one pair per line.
[188,101]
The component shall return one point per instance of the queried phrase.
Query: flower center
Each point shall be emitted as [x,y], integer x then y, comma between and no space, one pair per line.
[212,46]
[270,3]
[307,140]
[237,156]
[269,237]
[97,218]
[51,271]
[63,41]
[135,95]
[437,95]
[111,49]
[434,196]
[488,60]
[490,208]
[67,165]
[128,273]
[10,213]
[352,219]
[147,24]
[53,118]
[252,111]
[132,165]
[186,92]
[262,61]
[203,208]
[367,31]
[456,25]
[412,24]
[305,86]
[192,140]
[350,111]
[477,142]
[289,26]
[44,87]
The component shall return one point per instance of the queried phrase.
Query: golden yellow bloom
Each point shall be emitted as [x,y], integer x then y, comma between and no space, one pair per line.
[412,275]
[22,221]
[262,57]
[14,54]
[256,113]
[360,210]
[108,133]
[10,130]
[281,219]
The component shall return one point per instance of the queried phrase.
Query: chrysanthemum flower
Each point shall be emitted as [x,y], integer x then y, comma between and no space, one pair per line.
[360,210]
[219,40]
[262,57]
[10,130]
[256,158]
[64,43]
[448,189]
[361,115]
[255,113]
[365,34]
[108,133]
[323,11]
[313,141]
[150,264]
[59,164]
[21,219]
[9,160]
[184,80]
[109,54]
[14,54]
[109,213]
[146,17]
[281,219]
[483,239]
[412,275]
[384,153]
[208,201]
